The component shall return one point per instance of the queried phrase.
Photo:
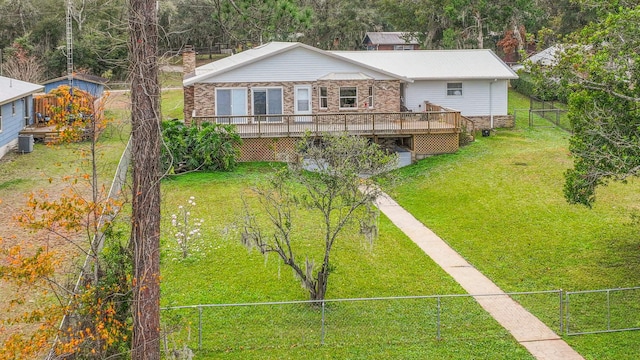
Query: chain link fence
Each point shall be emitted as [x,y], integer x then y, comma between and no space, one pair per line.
[548,113]
[599,311]
[342,323]
[403,321]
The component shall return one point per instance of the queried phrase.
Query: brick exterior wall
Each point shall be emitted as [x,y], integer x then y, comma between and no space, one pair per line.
[188,61]
[386,95]
[499,121]
[188,103]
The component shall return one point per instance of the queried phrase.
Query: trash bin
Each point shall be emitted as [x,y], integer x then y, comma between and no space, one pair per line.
[486,132]
[25,143]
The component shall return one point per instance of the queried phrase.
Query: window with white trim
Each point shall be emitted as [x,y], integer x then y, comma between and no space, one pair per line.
[370,98]
[267,101]
[323,97]
[348,97]
[402,47]
[231,101]
[454,89]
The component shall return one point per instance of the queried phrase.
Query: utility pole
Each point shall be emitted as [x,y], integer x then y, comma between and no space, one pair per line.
[145,141]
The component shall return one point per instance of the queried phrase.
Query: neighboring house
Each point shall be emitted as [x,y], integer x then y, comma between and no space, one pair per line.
[548,57]
[390,41]
[16,107]
[280,90]
[92,84]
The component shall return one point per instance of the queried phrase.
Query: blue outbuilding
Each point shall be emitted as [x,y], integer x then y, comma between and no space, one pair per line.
[16,108]
[92,84]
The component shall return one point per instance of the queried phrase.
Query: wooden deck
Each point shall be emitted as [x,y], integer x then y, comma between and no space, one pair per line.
[46,134]
[363,124]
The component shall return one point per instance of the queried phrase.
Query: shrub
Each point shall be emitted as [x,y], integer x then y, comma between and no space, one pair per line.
[190,148]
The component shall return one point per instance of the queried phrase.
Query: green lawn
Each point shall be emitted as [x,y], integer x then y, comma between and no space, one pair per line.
[499,203]
[394,266]
[172,104]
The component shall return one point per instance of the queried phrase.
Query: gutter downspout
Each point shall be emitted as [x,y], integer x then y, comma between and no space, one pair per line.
[491,102]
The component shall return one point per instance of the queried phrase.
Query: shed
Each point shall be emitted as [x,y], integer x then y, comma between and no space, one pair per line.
[92,84]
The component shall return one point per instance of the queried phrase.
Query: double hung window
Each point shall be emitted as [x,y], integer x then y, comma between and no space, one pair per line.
[348,97]
[454,89]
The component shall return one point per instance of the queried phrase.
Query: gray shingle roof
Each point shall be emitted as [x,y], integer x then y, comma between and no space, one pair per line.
[435,64]
[391,38]
[12,89]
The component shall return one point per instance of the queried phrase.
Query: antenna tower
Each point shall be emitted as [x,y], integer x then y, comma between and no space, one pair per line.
[69,45]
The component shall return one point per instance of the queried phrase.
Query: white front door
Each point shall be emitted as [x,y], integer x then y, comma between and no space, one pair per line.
[302,102]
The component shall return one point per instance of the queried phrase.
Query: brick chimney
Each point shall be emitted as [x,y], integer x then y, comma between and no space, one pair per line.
[188,61]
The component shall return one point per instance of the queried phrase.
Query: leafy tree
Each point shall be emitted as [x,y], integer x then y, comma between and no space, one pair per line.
[190,22]
[208,147]
[603,70]
[17,18]
[337,194]
[341,25]
[422,18]
[258,21]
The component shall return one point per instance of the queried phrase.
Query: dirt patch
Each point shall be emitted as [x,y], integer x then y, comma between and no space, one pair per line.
[43,169]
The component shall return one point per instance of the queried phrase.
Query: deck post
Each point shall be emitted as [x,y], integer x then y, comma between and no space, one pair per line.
[345,122]
[373,124]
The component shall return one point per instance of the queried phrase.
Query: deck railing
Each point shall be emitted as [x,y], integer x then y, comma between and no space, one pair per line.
[353,123]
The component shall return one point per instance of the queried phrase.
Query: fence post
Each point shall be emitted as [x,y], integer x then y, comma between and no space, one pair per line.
[568,318]
[438,319]
[608,310]
[561,312]
[199,328]
[322,330]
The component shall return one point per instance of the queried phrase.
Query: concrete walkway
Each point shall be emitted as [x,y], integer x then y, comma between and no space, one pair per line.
[542,342]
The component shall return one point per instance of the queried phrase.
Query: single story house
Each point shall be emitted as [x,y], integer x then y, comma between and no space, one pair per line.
[390,41]
[415,99]
[473,81]
[92,84]
[16,107]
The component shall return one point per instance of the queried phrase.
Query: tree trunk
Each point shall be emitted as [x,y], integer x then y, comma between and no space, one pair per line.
[145,119]
[321,285]
[518,36]
[480,33]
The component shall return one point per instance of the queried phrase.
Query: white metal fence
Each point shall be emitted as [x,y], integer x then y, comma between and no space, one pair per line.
[213,328]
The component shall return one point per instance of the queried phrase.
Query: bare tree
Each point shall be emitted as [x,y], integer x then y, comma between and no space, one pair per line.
[145,121]
[22,65]
[340,192]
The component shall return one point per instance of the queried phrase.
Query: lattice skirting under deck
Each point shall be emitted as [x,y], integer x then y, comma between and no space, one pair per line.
[431,144]
[283,149]
[268,149]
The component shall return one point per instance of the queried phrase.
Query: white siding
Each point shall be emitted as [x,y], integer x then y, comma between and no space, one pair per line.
[299,64]
[475,99]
